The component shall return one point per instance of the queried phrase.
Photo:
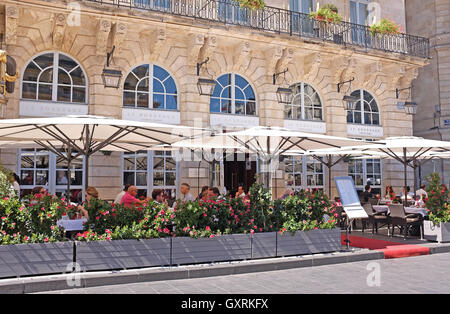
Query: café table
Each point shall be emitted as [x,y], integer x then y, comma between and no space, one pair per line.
[408,210]
[72,224]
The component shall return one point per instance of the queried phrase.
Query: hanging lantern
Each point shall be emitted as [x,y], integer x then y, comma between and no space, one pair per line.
[349,102]
[410,107]
[284,95]
[206,86]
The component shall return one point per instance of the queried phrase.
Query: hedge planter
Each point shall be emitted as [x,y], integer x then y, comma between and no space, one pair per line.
[309,242]
[207,250]
[35,259]
[439,233]
[264,245]
[123,254]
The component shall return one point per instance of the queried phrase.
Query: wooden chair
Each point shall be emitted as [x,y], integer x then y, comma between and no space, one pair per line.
[401,219]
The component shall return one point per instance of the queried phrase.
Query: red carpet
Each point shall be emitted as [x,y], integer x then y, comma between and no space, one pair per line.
[390,249]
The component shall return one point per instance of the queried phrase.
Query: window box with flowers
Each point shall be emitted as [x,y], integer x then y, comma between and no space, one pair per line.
[437,228]
[384,27]
[323,16]
[251,4]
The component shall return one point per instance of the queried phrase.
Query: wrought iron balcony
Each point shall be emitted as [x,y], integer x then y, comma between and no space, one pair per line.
[283,22]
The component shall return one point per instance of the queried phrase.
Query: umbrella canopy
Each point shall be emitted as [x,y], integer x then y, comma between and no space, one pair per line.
[270,142]
[407,150]
[86,135]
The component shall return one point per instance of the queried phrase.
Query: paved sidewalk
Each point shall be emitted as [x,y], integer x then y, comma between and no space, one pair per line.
[421,274]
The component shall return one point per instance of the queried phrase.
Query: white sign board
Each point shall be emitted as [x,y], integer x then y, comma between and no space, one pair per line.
[349,197]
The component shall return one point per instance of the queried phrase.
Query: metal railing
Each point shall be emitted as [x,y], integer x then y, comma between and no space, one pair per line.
[283,22]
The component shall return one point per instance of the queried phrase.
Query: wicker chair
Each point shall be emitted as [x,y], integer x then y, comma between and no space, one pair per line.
[374,201]
[401,219]
[374,218]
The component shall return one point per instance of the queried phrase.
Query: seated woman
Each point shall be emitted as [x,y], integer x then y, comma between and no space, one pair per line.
[89,194]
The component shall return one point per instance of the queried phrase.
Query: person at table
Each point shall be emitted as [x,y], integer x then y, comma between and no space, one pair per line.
[366,194]
[38,190]
[186,195]
[121,194]
[159,197]
[89,194]
[390,194]
[129,198]
[288,192]
[201,194]
[213,193]
[240,192]
[409,197]
[14,179]
[421,192]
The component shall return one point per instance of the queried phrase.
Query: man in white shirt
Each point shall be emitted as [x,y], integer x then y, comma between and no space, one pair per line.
[421,192]
[186,196]
[121,194]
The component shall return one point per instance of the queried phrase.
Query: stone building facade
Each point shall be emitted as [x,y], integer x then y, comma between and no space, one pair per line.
[157,52]
[431,89]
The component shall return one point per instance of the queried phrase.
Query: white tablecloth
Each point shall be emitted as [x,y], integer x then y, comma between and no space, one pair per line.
[408,210]
[72,225]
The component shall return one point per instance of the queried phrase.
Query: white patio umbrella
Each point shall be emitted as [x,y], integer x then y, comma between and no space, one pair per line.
[270,142]
[326,158]
[87,135]
[407,150]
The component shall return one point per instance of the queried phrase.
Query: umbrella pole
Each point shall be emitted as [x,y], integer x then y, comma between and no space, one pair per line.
[405,170]
[69,176]
[329,176]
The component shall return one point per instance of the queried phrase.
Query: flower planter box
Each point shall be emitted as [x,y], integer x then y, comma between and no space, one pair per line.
[20,260]
[123,254]
[439,233]
[207,250]
[309,242]
[264,245]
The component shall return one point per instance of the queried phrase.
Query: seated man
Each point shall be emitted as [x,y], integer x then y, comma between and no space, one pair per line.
[129,198]
[159,197]
[213,193]
[366,194]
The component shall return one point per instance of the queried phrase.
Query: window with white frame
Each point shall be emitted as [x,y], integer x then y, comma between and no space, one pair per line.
[54,77]
[303,172]
[150,86]
[39,167]
[305,105]
[233,94]
[150,170]
[366,172]
[366,109]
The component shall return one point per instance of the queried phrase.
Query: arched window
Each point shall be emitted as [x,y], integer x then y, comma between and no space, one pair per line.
[150,86]
[366,109]
[54,77]
[305,105]
[233,94]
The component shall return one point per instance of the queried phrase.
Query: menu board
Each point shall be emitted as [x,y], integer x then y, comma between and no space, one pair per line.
[349,197]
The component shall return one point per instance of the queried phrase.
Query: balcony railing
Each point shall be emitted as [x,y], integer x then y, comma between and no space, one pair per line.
[283,22]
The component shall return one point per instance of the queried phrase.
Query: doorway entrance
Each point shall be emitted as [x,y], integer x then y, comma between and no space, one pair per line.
[240,171]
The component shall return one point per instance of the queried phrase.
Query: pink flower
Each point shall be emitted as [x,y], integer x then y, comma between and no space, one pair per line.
[45,239]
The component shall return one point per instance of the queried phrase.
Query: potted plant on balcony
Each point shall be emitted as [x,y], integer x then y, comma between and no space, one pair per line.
[328,13]
[438,227]
[384,27]
[325,15]
[252,4]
